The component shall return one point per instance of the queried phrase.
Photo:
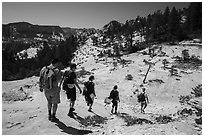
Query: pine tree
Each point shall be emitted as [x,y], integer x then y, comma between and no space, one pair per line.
[174,24]
[194,16]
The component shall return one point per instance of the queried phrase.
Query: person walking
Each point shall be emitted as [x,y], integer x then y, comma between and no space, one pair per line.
[143,99]
[70,81]
[89,92]
[50,77]
[114,95]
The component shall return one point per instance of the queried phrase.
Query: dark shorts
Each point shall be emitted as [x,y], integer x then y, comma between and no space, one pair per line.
[115,102]
[88,99]
[71,94]
[143,103]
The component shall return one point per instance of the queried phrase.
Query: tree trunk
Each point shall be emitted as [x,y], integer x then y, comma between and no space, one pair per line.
[146,74]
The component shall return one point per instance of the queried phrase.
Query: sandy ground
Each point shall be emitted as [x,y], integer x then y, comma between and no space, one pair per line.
[29,117]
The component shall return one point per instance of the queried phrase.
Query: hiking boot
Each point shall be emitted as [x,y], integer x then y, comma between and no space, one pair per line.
[90,110]
[70,114]
[72,109]
[54,119]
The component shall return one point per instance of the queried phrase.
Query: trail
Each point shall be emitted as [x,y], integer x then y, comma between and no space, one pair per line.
[29,117]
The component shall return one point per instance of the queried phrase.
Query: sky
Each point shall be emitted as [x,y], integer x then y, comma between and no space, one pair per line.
[80,14]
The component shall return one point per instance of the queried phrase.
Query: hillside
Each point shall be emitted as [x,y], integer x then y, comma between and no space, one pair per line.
[165,115]
[25,29]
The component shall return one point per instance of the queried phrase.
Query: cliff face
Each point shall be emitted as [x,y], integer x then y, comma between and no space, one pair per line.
[29,29]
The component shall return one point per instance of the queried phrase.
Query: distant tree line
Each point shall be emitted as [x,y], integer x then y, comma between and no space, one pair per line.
[14,68]
[168,26]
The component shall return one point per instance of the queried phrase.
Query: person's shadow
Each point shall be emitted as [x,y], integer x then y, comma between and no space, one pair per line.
[71,130]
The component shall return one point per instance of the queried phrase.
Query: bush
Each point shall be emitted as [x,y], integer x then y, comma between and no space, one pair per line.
[129,77]
[163,119]
[197,91]
[138,47]
[93,121]
[184,99]
[157,81]
[186,111]
[199,121]
[15,95]
[194,59]
[131,120]
[185,55]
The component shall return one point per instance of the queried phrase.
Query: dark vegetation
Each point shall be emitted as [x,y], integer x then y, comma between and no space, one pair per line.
[132,120]
[14,68]
[191,100]
[163,119]
[197,92]
[171,26]
[186,61]
[93,121]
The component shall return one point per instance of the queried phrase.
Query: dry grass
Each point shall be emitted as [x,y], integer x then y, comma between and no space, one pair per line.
[93,121]
[15,95]
[131,120]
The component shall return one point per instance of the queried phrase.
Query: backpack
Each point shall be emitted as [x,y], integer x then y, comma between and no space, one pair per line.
[86,87]
[65,86]
[45,78]
[141,97]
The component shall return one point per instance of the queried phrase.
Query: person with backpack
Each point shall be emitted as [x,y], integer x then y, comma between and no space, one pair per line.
[143,99]
[114,95]
[89,92]
[48,82]
[70,81]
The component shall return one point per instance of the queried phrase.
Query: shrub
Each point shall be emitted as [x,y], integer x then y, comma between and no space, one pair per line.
[163,119]
[199,121]
[185,55]
[129,77]
[131,120]
[197,91]
[186,111]
[16,95]
[184,99]
[195,59]
[157,81]
[93,121]
[164,62]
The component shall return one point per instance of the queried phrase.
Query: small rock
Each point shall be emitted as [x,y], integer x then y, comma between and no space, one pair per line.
[31,117]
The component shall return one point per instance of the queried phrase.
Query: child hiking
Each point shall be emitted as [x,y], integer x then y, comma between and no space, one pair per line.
[70,81]
[114,95]
[89,92]
[143,99]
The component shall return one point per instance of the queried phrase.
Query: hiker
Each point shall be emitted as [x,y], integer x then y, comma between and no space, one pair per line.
[143,99]
[70,81]
[114,63]
[114,95]
[89,92]
[48,82]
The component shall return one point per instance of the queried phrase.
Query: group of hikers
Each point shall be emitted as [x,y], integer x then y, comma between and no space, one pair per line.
[52,79]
